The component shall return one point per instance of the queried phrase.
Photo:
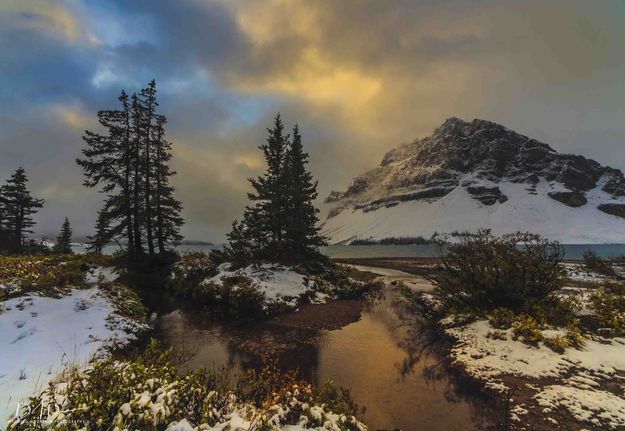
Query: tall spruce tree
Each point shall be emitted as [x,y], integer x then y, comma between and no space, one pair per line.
[301,230]
[64,240]
[18,208]
[281,221]
[265,220]
[148,105]
[130,163]
[108,162]
[166,209]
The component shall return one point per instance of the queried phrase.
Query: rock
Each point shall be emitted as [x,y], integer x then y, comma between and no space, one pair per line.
[573,199]
[333,197]
[617,210]
[487,195]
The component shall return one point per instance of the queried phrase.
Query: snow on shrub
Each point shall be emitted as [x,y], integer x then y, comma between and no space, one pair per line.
[149,393]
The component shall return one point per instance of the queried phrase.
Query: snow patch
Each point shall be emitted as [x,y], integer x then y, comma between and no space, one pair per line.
[42,336]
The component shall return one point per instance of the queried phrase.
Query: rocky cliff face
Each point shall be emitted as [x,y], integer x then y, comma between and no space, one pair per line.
[480,159]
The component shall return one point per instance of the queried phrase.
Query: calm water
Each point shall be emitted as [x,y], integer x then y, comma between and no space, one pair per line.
[573,251]
[366,347]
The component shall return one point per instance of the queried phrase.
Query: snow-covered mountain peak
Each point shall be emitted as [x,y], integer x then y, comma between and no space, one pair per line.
[478,159]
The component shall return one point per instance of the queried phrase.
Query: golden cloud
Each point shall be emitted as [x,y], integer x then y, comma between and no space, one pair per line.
[47,17]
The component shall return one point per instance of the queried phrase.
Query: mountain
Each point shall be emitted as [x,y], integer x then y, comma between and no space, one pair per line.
[479,174]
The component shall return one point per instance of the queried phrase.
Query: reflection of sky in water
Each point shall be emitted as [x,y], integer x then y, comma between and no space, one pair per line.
[364,356]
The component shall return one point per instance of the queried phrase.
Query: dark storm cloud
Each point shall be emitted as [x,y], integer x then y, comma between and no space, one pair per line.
[360,77]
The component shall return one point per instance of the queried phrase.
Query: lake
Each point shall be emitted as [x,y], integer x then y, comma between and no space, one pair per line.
[572,251]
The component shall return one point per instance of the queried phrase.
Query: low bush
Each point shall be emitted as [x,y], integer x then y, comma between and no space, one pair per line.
[482,272]
[47,274]
[526,329]
[150,393]
[556,343]
[497,335]
[501,318]
[608,306]
[574,335]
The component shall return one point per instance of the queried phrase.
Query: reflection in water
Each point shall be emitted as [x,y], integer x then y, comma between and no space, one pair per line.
[370,348]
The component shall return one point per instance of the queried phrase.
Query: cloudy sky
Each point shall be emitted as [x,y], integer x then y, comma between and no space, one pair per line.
[360,77]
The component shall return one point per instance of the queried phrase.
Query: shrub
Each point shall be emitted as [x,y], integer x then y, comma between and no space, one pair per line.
[497,335]
[483,272]
[574,335]
[558,311]
[150,392]
[556,343]
[46,274]
[594,263]
[527,330]
[501,318]
[608,305]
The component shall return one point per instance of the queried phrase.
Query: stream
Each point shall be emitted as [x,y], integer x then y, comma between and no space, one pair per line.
[370,347]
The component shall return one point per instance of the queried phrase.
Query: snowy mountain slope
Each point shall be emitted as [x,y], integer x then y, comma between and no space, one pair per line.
[475,175]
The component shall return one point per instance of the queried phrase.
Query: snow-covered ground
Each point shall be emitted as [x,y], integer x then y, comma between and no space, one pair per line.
[577,379]
[577,272]
[458,211]
[393,276]
[278,283]
[41,336]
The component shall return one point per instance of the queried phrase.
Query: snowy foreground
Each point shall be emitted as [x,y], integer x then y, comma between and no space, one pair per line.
[43,336]
[583,382]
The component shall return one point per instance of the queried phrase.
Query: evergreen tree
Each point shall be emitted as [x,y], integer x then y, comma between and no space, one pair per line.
[239,245]
[167,219]
[282,221]
[265,220]
[4,232]
[18,208]
[301,230]
[148,104]
[131,164]
[108,162]
[101,236]
[136,174]
[63,241]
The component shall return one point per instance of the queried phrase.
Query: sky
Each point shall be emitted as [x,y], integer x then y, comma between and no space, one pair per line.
[360,77]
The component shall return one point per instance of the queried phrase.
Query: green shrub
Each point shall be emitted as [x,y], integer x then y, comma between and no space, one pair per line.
[483,272]
[558,311]
[574,335]
[557,343]
[527,330]
[608,305]
[501,318]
